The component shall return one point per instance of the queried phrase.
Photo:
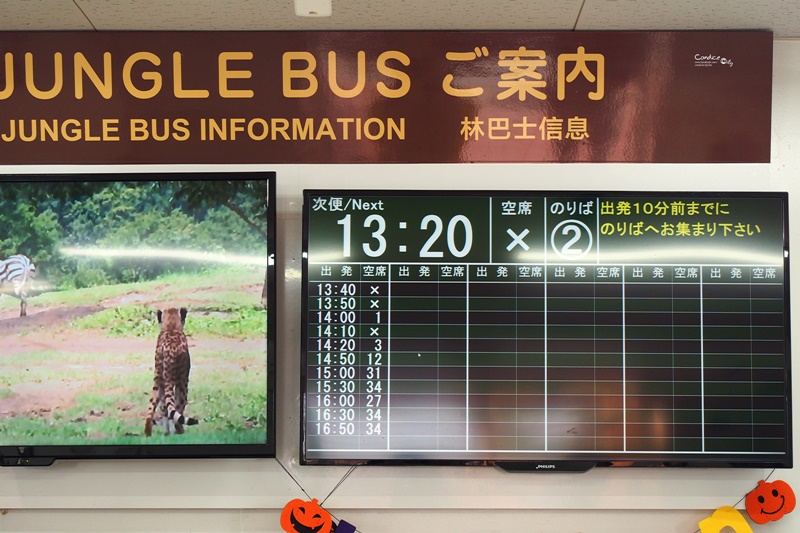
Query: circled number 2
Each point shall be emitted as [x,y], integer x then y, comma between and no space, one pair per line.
[571,239]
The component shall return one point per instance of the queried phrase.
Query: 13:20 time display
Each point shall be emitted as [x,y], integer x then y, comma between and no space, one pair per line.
[454,235]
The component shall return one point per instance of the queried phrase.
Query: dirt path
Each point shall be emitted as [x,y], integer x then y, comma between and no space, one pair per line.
[44,397]
[46,330]
[40,388]
[41,398]
[40,332]
[43,319]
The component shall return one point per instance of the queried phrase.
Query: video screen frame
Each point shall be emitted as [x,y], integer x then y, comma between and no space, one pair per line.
[168,243]
[385,237]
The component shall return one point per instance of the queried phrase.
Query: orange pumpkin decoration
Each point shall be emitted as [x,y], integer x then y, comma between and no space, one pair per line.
[770,501]
[305,517]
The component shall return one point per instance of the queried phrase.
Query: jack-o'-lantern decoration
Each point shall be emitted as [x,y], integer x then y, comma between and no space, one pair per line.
[770,501]
[305,517]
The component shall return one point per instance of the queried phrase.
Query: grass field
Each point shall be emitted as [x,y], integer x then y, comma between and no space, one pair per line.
[88,380]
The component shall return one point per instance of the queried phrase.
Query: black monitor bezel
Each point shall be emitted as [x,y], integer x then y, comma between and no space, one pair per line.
[43,455]
[554,461]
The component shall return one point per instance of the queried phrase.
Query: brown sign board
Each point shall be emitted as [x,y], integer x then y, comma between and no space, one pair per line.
[385,97]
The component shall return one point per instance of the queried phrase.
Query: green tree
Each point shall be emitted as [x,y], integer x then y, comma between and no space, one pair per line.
[131,213]
[248,199]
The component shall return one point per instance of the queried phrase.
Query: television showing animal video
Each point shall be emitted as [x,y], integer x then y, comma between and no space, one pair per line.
[136,316]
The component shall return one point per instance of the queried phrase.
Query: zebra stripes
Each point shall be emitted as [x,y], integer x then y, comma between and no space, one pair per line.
[18,270]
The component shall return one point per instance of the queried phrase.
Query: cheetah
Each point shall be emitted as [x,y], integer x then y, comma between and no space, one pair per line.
[171,380]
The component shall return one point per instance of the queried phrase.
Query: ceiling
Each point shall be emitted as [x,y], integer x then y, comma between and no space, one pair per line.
[780,16]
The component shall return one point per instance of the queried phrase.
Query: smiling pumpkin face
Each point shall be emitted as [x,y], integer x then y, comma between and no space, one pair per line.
[770,501]
[305,517]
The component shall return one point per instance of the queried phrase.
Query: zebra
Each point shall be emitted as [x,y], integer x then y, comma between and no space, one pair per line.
[18,269]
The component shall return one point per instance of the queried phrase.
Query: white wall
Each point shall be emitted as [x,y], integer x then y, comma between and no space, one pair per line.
[247,495]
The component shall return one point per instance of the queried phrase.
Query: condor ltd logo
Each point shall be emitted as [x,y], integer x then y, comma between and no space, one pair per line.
[712,60]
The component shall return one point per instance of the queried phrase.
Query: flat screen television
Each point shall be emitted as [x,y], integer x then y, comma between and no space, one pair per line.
[546,330]
[114,287]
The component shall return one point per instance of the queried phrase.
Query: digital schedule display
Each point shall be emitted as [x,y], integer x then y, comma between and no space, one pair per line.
[544,329]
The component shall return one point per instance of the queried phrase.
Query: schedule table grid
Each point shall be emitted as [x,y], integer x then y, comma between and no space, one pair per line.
[551,276]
